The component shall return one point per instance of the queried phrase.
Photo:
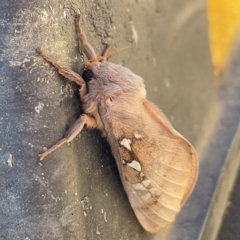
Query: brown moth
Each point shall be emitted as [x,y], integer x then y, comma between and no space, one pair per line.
[158,166]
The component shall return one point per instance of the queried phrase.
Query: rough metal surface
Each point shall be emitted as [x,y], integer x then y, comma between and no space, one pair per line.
[230,226]
[76,192]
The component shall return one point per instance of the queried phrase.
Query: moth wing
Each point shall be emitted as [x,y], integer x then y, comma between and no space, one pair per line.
[158,171]
[191,157]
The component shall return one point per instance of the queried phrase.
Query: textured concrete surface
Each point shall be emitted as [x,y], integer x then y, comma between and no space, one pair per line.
[76,192]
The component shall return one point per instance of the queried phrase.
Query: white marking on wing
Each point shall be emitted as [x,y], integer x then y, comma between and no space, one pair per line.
[146,182]
[146,197]
[137,135]
[139,186]
[126,143]
[152,191]
[135,165]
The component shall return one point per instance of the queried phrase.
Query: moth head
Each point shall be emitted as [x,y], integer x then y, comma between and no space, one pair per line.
[111,80]
[87,72]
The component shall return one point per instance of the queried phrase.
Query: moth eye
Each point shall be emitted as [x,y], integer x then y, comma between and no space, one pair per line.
[87,75]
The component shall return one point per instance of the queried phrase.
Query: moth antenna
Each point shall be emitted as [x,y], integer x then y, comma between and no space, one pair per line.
[106,51]
[107,54]
[104,57]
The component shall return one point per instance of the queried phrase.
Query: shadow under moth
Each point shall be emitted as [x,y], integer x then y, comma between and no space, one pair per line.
[158,166]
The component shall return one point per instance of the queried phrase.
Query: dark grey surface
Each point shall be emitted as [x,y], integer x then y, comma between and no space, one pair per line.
[230,229]
[76,193]
[231,219]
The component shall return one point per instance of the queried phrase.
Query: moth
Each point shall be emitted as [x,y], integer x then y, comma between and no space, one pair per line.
[158,166]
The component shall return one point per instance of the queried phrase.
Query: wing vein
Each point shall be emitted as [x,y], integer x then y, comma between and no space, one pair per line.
[182,154]
[170,194]
[169,180]
[178,169]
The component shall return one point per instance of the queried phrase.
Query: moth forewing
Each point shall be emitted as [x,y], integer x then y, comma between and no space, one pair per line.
[158,167]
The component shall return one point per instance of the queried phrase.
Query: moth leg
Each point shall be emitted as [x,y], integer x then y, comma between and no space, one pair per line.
[72,133]
[66,72]
[85,46]
[83,92]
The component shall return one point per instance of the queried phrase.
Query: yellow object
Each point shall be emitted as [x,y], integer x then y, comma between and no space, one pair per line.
[224,23]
